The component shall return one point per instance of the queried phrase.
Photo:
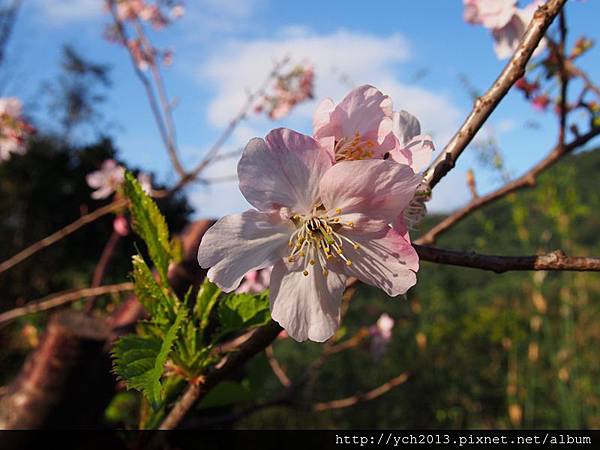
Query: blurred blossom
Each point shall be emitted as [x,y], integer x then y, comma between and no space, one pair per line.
[540,102]
[255,281]
[526,87]
[14,130]
[506,22]
[289,90]
[381,335]
[145,181]
[143,58]
[106,180]
[134,12]
[120,226]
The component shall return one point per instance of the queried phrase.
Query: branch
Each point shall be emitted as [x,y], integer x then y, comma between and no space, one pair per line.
[556,260]
[216,147]
[164,129]
[358,398]
[276,367]
[526,180]
[485,104]
[63,232]
[261,338]
[55,300]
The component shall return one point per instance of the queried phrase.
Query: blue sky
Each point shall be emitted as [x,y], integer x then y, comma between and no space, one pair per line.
[413,51]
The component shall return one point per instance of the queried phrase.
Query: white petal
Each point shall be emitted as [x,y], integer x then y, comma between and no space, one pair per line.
[240,243]
[283,171]
[308,307]
[384,259]
[406,126]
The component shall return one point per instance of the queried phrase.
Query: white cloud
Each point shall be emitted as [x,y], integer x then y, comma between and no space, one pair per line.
[340,58]
[61,11]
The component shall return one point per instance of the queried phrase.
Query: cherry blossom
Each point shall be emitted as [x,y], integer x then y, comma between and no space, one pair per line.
[381,335]
[14,130]
[505,20]
[145,181]
[363,126]
[120,225]
[317,223]
[106,180]
[290,89]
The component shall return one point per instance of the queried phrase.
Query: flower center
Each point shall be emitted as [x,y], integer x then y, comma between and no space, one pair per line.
[351,149]
[319,238]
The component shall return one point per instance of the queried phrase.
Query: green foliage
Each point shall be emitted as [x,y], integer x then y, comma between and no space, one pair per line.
[206,299]
[140,360]
[159,302]
[150,224]
[238,311]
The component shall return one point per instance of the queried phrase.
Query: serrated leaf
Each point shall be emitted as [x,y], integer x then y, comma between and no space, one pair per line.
[150,224]
[240,311]
[140,360]
[205,301]
[154,299]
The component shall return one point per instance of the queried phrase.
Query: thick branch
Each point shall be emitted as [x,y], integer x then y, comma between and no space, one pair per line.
[261,338]
[556,260]
[526,180]
[485,104]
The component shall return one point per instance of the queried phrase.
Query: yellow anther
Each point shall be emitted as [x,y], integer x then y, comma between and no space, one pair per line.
[291,259]
[349,262]
[305,273]
[325,272]
[356,246]
[351,224]
[338,210]
[302,254]
[312,262]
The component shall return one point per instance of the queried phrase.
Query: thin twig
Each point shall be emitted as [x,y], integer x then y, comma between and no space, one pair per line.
[55,300]
[364,397]
[107,254]
[216,147]
[63,232]
[154,103]
[527,180]
[556,260]
[486,104]
[276,367]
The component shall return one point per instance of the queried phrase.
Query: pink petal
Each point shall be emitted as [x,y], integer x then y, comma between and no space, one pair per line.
[385,260]
[508,37]
[379,189]
[362,110]
[282,171]
[322,119]
[416,153]
[240,243]
[308,307]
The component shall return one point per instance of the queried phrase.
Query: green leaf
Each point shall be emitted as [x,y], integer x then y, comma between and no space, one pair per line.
[154,299]
[239,311]
[140,360]
[205,301]
[150,224]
